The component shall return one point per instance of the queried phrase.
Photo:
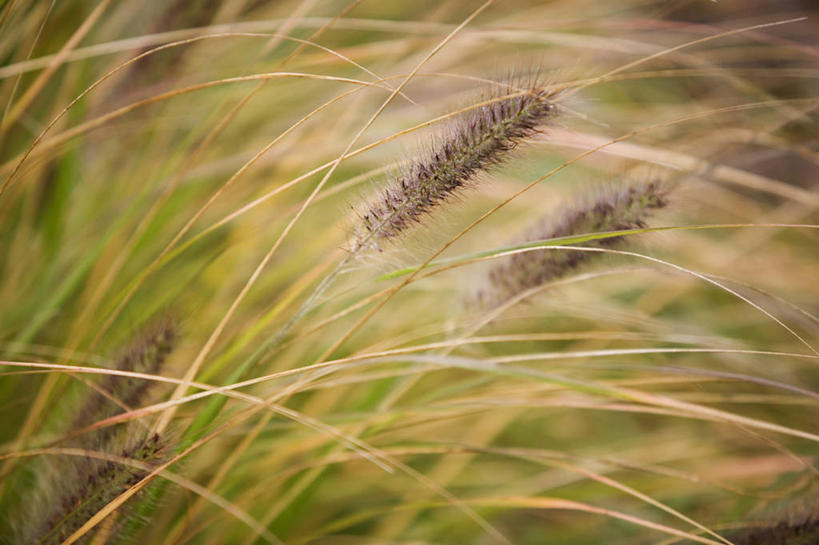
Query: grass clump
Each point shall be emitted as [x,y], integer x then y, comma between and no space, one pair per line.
[209,157]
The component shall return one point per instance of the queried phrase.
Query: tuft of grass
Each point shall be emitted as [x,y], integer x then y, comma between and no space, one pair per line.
[210,157]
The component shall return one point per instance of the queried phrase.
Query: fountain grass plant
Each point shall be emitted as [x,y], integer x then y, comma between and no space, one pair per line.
[313,189]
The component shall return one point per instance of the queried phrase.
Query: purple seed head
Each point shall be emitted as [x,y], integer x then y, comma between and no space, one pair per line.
[77,487]
[145,353]
[798,526]
[616,210]
[478,140]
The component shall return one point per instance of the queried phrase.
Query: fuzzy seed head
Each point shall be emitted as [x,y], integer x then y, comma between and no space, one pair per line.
[78,487]
[145,353]
[618,210]
[798,528]
[480,139]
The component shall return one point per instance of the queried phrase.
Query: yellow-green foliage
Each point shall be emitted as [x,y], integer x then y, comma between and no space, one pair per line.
[246,166]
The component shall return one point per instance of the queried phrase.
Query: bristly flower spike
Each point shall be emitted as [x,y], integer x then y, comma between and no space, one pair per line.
[477,140]
[145,353]
[614,210]
[73,488]
[798,527]
[79,487]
